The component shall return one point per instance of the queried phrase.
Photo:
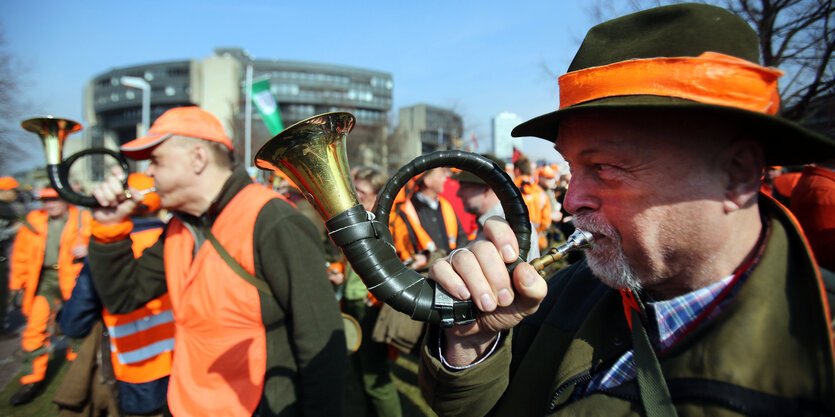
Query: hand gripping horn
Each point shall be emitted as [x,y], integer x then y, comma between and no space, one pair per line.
[312,154]
[53,132]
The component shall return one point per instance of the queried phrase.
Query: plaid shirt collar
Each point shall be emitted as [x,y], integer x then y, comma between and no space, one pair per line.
[670,320]
[673,319]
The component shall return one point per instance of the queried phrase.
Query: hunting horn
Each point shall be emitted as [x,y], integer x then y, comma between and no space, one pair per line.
[53,131]
[312,154]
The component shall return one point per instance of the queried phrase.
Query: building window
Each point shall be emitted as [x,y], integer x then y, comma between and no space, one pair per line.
[170,91]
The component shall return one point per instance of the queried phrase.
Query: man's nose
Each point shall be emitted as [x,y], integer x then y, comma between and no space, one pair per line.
[580,196]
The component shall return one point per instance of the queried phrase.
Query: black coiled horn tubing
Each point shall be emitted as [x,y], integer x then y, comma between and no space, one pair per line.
[367,243]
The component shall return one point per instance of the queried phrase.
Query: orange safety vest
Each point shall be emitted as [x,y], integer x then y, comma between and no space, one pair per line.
[142,341]
[407,244]
[30,246]
[539,207]
[221,350]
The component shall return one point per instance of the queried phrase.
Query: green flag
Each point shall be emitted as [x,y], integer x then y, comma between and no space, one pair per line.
[266,105]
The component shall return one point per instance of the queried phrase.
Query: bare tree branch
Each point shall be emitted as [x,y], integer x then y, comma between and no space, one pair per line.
[13,139]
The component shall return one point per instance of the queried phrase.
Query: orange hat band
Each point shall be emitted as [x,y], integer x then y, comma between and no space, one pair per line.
[711,78]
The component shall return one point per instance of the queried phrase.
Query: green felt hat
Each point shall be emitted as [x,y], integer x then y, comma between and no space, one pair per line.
[464,176]
[683,30]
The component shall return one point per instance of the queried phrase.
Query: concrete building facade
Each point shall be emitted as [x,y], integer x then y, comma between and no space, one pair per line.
[218,84]
[503,143]
[421,129]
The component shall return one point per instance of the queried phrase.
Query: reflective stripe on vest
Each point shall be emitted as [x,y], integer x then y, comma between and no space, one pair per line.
[139,325]
[146,352]
[450,224]
[142,341]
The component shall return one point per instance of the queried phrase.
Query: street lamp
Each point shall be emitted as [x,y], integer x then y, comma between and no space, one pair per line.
[141,84]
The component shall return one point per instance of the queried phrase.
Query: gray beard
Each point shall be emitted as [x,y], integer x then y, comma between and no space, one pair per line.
[606,259]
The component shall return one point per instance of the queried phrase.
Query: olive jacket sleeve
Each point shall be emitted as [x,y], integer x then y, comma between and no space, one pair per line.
[123,282]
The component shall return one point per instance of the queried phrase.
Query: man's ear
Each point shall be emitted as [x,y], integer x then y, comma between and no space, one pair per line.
[199,158]
[742,162]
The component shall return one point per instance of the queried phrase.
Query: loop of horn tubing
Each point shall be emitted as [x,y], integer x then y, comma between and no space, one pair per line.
[367,241]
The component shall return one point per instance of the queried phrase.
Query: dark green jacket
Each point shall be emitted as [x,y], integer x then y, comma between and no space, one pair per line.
[306,355]
[769,352]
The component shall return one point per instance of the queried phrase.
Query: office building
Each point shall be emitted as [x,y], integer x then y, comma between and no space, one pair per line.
[503,143]
[217,83]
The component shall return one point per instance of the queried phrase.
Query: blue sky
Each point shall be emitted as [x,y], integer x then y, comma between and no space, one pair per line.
[478,58]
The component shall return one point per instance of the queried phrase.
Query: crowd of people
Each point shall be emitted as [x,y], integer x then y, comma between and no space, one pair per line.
[196,291]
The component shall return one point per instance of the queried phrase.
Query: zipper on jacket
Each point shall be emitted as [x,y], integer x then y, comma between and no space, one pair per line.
[581,378]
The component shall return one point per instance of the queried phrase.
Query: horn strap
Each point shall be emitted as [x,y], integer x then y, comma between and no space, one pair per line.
[711,78]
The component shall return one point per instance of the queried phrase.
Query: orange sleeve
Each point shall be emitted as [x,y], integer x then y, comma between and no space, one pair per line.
[110,233]
[545,212]
[400,235]
[22,265]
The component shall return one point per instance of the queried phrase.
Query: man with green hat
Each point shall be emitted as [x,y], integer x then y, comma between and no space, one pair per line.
[480,200]
[700,295]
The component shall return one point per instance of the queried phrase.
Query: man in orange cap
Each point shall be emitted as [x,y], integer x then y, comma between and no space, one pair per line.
[46,259]
[539,207]
[257,327]
[548,182]
[700,296]
[10,212]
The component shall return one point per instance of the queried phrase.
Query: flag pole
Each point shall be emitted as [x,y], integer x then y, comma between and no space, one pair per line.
[248,118]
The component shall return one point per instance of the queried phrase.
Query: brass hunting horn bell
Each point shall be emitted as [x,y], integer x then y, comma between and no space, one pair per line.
[312,154]
[53,131]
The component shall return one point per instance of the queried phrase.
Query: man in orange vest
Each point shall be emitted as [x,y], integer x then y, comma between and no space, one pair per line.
[141,342]
[425,224]
[539,208]
[10,212]
[480,200]
[257,326]
[547,177]
[46,258]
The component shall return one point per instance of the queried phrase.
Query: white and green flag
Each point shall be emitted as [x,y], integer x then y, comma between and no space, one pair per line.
[267,106]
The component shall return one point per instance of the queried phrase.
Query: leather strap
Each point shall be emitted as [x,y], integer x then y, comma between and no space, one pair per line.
[653,387]
[261,285]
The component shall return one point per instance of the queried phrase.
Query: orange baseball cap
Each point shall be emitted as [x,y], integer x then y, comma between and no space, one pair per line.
[141,182]
[8,183]
[185,121]
[47,193]
[547,172]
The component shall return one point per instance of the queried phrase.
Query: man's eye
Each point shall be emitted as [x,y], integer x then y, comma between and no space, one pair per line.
[607,171]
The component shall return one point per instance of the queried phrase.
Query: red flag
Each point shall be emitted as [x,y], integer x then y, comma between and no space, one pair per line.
[474,141]
[516,155]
